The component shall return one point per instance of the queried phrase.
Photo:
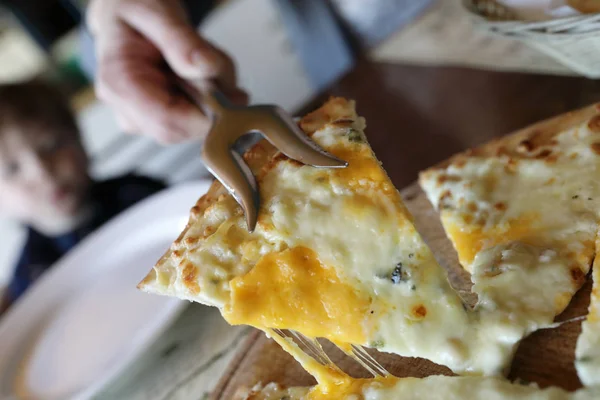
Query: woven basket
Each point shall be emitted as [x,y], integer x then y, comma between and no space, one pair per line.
[573,41]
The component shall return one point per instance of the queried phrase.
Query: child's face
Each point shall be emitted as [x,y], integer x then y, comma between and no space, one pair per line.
[43,179]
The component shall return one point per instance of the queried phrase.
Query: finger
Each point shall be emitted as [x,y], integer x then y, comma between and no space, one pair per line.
[160,112]
[99,14]
[143,95]
[186,52]
[167,124]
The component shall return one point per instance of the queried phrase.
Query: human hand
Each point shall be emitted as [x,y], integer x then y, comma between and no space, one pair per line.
[139,44]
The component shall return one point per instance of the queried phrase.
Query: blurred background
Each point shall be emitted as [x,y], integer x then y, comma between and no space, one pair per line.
[287,52]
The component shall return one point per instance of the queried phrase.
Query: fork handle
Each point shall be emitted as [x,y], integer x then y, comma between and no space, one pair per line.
[216,101]
[212,101]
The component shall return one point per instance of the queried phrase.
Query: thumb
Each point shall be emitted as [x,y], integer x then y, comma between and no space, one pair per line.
[165,25]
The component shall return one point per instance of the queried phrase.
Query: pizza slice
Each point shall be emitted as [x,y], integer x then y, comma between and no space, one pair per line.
[335,254]
[523,211]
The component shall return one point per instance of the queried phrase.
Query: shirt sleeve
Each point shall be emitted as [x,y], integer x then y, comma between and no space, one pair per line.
[36,257]
[21,278]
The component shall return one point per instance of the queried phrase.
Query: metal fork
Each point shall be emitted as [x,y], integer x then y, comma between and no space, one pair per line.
[230,123]
[314,349]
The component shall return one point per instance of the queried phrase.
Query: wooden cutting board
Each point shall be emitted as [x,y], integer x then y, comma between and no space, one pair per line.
[545,357]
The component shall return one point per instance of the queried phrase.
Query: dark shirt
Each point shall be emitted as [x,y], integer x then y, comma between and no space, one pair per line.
[109,198]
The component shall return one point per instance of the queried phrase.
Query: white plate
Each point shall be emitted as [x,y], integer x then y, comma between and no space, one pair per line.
[84,321]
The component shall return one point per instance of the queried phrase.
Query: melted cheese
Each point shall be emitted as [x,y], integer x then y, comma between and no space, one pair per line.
[363,171]
[470,239]
[293,290]
[507,277]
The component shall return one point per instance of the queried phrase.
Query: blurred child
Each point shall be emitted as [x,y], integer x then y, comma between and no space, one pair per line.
[44,183]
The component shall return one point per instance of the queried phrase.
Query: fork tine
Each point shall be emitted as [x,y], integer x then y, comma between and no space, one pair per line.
[232,122]
[283,133]
[231,170]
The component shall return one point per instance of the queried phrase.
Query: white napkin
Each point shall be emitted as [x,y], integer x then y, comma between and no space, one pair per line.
[540,9]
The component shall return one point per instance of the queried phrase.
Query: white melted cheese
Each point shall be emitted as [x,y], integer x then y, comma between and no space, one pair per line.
[517,285]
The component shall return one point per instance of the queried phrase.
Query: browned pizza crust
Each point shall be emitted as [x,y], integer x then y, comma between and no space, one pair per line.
[534,141]
[260,158]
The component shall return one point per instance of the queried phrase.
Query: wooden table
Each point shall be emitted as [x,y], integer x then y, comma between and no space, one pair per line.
[416,116]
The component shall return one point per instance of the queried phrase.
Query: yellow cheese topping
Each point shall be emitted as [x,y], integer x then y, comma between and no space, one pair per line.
[470,239]
[363,168]
[292,289]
